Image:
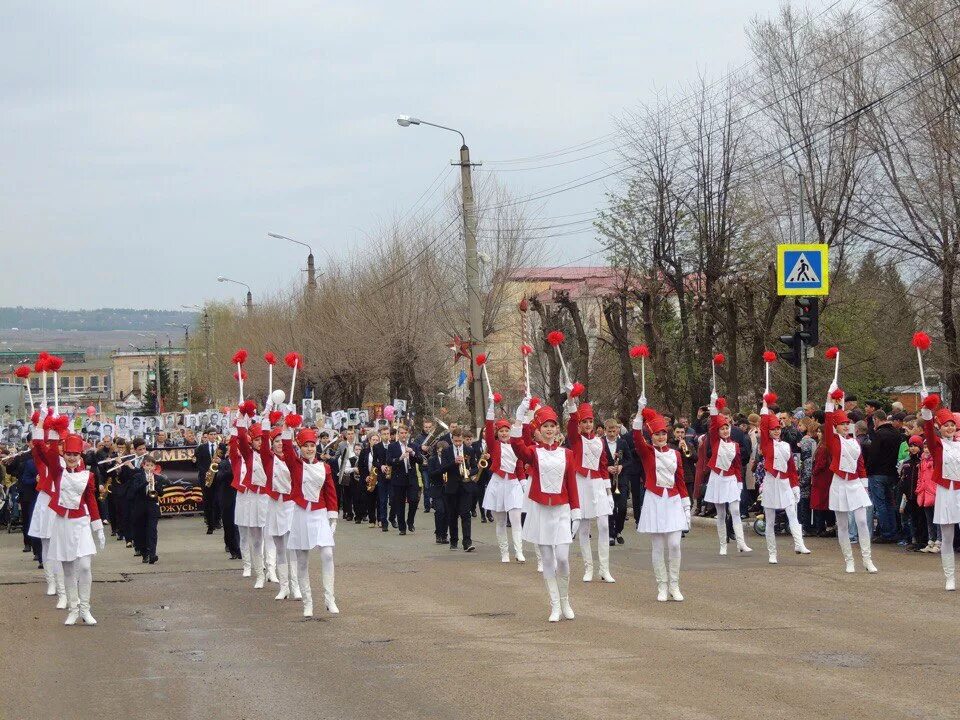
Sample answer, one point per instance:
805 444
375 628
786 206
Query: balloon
91 411
278 397
389 412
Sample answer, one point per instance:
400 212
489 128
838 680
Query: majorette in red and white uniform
666 506
848 488
553 513
255 483
504 494
945 451
76 517
279 512
593 487
240 470
42 518
315 513
725 482
781 483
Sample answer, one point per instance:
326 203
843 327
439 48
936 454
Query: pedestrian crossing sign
803 269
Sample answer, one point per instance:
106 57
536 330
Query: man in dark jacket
881 461
621 458
28 496
457 466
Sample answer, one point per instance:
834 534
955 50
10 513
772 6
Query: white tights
556 560
51 568
78 577
946 548
770 522
734 518
843 532
303 568
603 538
500 518
666 552
286 561
251 547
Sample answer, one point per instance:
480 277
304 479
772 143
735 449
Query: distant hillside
102 319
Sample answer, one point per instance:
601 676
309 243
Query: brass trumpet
484 462
616 479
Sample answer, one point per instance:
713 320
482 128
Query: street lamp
472 272
311 272
186 359
221 278
206 346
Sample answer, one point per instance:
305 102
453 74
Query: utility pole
311 273
803 345
206 350
473 280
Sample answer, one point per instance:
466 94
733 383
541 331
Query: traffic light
807 314
185 399
792 356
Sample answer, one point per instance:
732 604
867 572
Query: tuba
440 429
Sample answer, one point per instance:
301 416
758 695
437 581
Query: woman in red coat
725 483
666 505
940 430
504 494
553 510
76 517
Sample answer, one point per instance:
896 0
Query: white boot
798 545
504 548
722 535
247 569
270 559
307 600
674 575
738 534
328 598
294 583
660 573
603 553
867 555
554 593
73 600
61 591
51 578
949 572
518 544
258 571
847 552
284 582
563 585
588 569
536 550
723 547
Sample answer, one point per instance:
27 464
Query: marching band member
76 518
940 430
280 513
781 482
315 513
504 494
251 446
725 482
241 508
848 489
553 513
593 487
666 506
42 517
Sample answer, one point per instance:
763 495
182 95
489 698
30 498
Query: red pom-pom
293 360
240 356
719 359
832 353
497 398
35 418
639 351
43 355
54 363
293 420
769 356
648 414
248 408
61 423
22 372
534 401
921 340
242 375
481 359
770 398
275 416
577 390
931 402
526 350
270 358
837 394
721 403
40 365
555 337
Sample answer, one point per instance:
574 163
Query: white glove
491 411
686 514
641 403
796 494
574 526
568 388
101 539
713 397
333 525
833 386
638 422
924 395
570 406
865 483
522 409
243 421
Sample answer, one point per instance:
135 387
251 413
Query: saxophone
372 479
214 466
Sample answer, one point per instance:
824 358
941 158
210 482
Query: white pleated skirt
946 506
42 517
503 495
777 493
594 500
309 529
70 538
251 509
279 517
722 489
547 524
526 502
848 495
662 514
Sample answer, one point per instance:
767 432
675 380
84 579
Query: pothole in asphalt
377 641
312 619
493 614
838 659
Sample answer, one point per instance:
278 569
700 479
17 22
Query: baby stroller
10 507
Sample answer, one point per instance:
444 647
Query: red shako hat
585 412
307 435
73 444
544 415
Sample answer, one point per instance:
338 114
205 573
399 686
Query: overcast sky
150 146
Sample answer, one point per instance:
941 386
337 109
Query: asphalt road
429 633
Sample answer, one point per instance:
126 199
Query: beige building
82 382
131 370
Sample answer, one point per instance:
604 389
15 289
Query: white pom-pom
277 397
